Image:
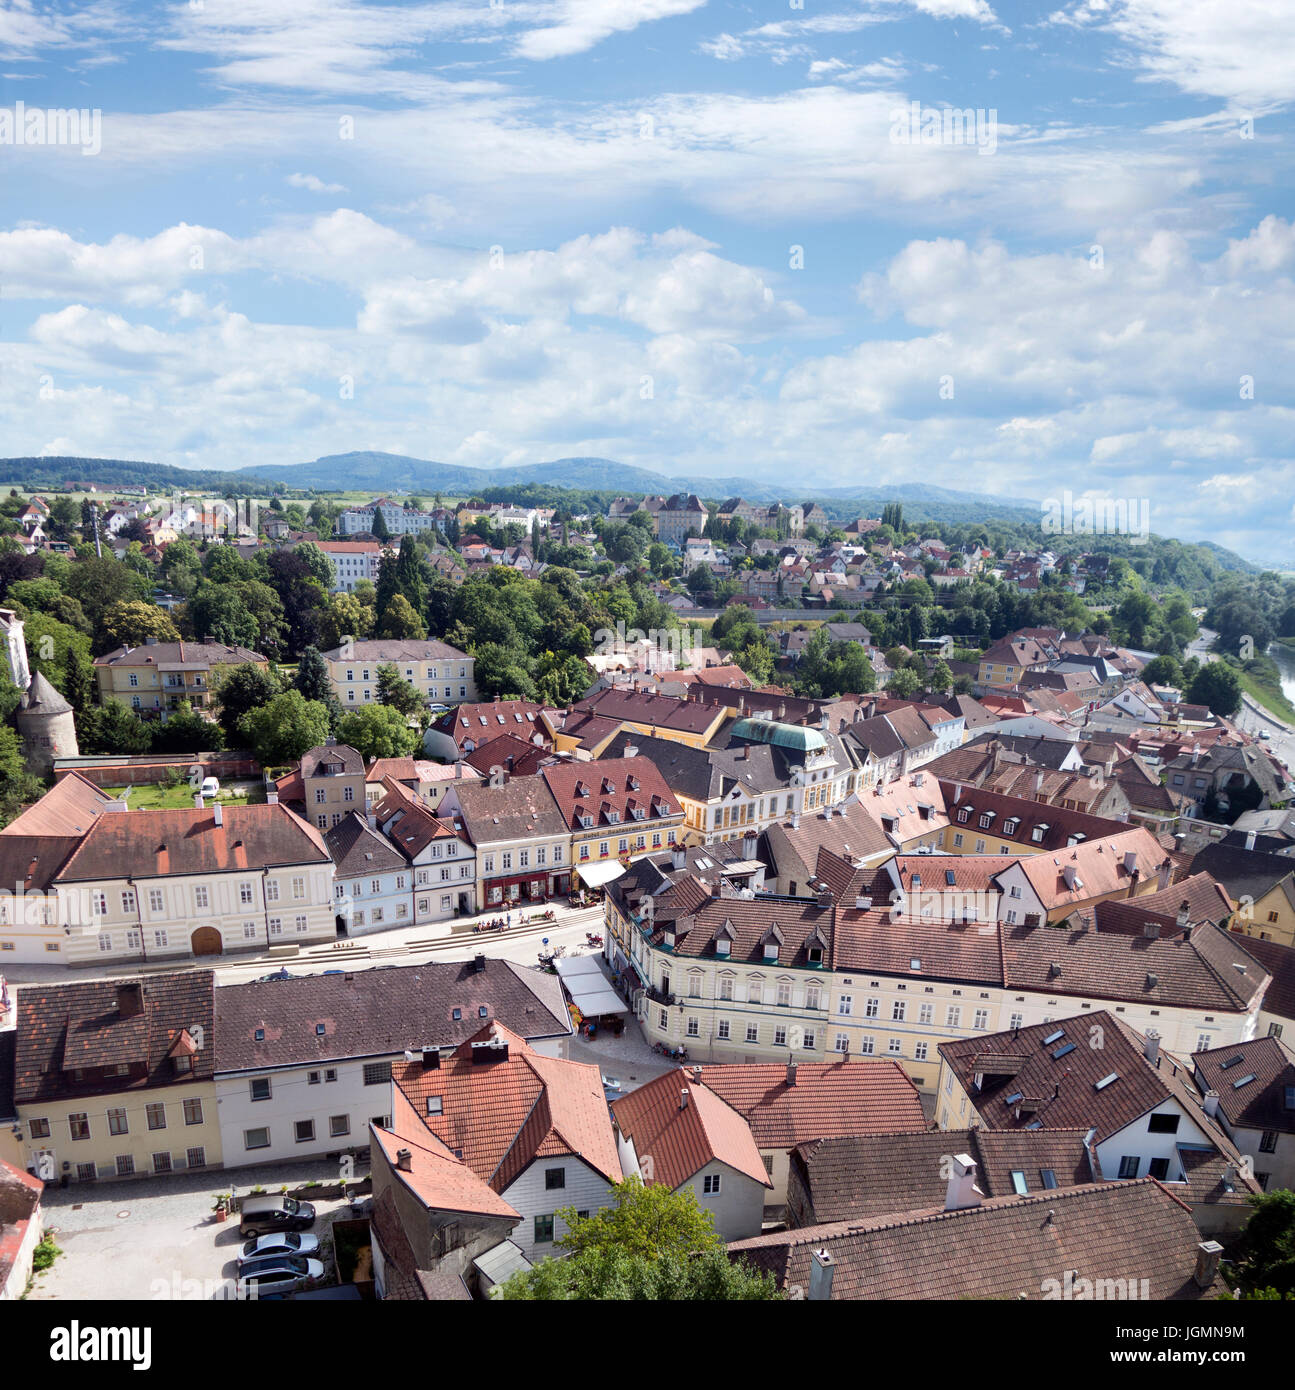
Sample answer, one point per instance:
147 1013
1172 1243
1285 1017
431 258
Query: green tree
378 731
395 691
1265 1250
903 684
1164 670
98 584
239 690
313 680
215 613
131 623
49 647
112 728
317 563
401 620
285 728
1216 686
186 731
378 525
346 616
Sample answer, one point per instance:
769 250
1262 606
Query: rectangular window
895 1047
160 937
38 1129
543 1230
1268 1142
779 1037
245 893
844 1005
128 900
303 1131
784 994
752 1032
256 1138
919 1051
193 1112
196 1157
980 1019
156 1115
897 1011
925 1013
1129 1166
201 898
259 1088
842 1043
1158 1168
271 890
155 900
554 1178
161 1162
721 1030
710 1184
377 1073
117 1123
1162 1124
867 1046
339 1125
125 1166
954 1017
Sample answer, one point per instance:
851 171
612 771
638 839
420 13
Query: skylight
1063 1051
1014 1097
1106 1081
1232 1061
1052 1037
1243 1081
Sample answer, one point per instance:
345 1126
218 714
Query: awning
589 988
596 875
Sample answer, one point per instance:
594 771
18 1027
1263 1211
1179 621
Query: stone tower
47 726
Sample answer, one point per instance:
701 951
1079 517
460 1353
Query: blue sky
673 232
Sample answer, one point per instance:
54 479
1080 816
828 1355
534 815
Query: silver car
260 1278
279 1245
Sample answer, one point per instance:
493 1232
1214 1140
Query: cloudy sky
679 233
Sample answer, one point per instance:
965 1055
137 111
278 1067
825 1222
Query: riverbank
1270 697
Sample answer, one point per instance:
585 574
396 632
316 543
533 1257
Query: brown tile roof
504 1115
1279 961
1255 1080
395 649
373 1013
1057 1088
1058 823
1099 865
488 719
407 823
849 832
867 1096
180 654
436 1178
1006 1248
602 789
68 809
159 843
658 711
313 759
799 922
1205 899
523 808
69 1026
863 1176
513 754
680 1140
356 849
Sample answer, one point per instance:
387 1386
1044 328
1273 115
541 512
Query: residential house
439 672
303 1066
680 1133
113 1078
1249 1089
441 858
1262 886
535 1128
1097 1073
522 839
352 561
462 730
154 679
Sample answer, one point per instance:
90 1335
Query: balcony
660 996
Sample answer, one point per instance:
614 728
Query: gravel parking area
157 1238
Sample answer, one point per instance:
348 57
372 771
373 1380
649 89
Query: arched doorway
205 942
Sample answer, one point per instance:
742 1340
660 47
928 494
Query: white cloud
314 184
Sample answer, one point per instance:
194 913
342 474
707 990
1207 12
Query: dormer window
721 945
986 820
1037 834
964 815
1010 824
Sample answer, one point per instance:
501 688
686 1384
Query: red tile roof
680 1140
828 1099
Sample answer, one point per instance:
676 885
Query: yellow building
113 1078
156 677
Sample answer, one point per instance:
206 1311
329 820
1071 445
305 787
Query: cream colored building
156 677
435 669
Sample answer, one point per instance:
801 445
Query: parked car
258 1278
282 1245
262 1216
210 787
273 975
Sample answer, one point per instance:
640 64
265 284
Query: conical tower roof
41 698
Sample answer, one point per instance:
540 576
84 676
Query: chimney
791 1071
962 1191
404 1160
957 793
821 1266
1210 1104
1184 915
1038 782
696 1076
1151 930
372 819
678 857
130 998
198 802
631 750
1151 1046
825 897
795 820
683 1097
1207 1263
272 797
218 811
479 964
431 1059
1162 875
1250 839
150 641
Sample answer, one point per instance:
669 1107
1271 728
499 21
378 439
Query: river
1285 659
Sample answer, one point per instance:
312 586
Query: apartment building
352 561
399 520
522 840
327 786
113 1078
1249 1089
150 886
155 678
303 1066
435 669
440 856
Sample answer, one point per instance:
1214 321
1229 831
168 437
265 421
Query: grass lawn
1270 697
157 796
